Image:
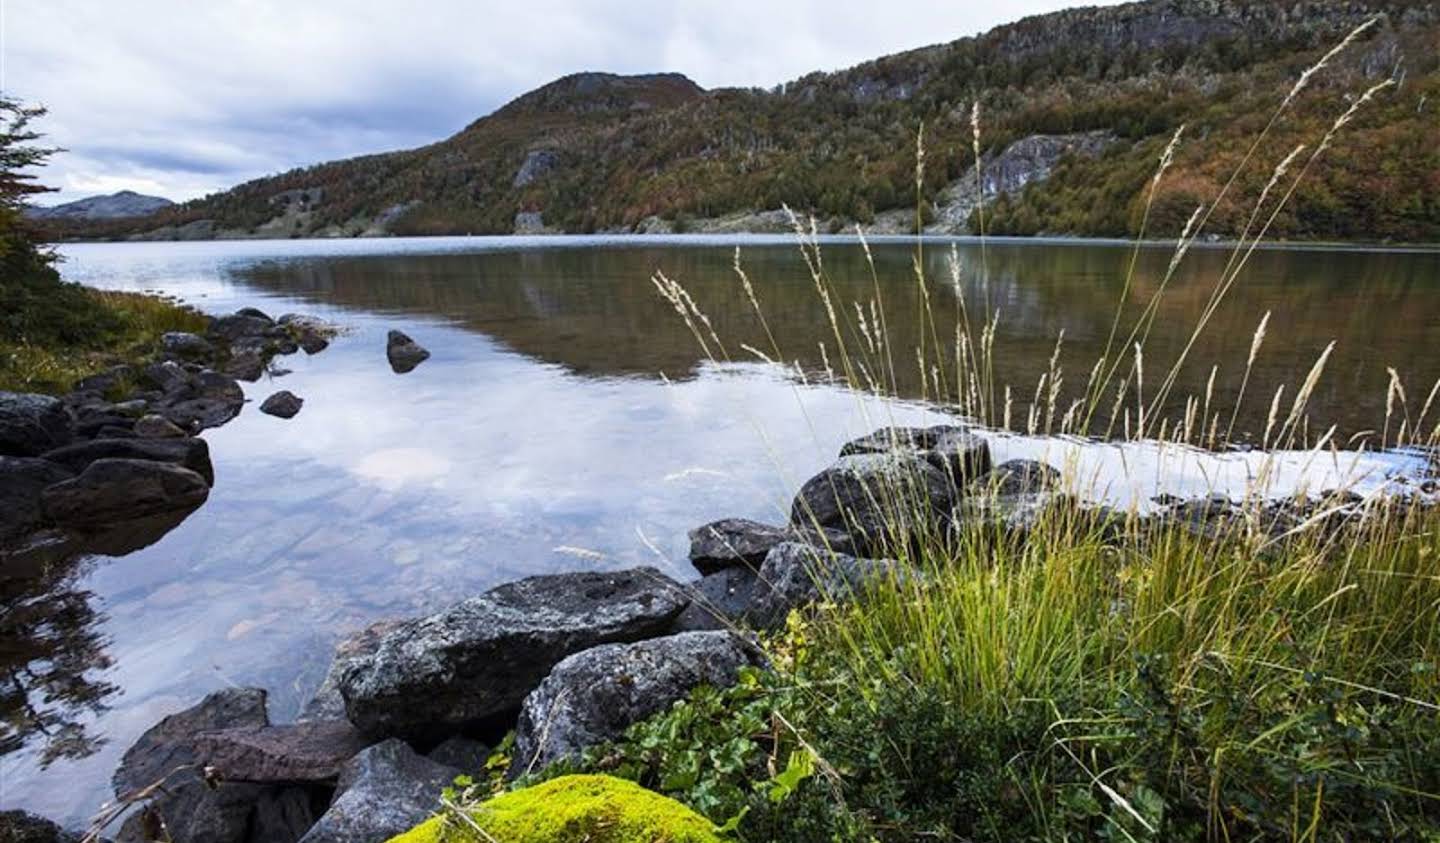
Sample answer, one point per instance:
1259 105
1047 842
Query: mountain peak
592 92
124 203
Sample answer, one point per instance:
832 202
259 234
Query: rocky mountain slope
126 203
1075 108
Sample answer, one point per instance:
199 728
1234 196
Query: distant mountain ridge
1075 107
126 203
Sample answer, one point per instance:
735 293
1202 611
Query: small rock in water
404 353
284 404
157 427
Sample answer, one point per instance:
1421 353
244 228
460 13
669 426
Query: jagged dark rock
732 541
474 663
193 811
384 791
32 424
595 695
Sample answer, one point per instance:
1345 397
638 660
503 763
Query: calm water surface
542 437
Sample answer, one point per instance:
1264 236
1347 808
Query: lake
568 420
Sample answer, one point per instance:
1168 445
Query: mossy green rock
596 809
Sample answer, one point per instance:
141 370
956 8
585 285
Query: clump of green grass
56 333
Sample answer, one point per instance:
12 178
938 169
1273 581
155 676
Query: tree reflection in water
52 647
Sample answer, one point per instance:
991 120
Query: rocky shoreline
569 661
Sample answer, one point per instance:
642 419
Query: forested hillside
595 152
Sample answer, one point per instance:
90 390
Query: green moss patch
596 809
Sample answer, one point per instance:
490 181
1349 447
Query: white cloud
181 98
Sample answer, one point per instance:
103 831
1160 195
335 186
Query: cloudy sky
183 97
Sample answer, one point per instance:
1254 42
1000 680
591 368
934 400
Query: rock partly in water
404 353
283 404
595 695
1014 495
191 809
298 752
191 453
960 455
22 479
732 541
796 575
327 703
382 792
246 364
878 499
110 491
888 439
473 663
31 424
239 325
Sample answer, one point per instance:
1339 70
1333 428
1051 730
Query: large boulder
22 480
110 491
473 663
795 575
382 792
31 424
878 499
404 353
888 439
732 541
191 453
1014 495
327 703
192 809
595 695
298 752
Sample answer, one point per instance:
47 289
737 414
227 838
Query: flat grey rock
473 663
732 541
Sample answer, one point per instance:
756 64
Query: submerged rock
191 453
283 404
110 491
476 661
595 695
32 424
382 792
796 575
404 353
732 541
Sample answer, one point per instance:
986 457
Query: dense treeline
842 145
